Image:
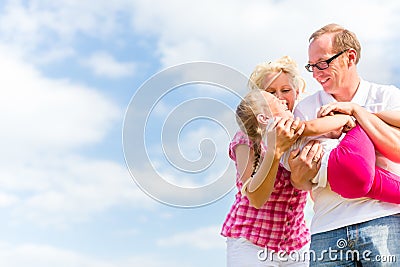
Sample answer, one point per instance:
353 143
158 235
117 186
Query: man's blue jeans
369 244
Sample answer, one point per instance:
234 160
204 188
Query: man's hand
304 165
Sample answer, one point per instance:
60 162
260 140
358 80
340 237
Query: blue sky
69 71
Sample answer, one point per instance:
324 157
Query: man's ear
352 56
262 119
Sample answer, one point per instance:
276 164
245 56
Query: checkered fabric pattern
279 225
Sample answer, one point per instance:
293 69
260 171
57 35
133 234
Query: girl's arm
257 193
280 137
324 125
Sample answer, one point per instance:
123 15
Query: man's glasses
324 64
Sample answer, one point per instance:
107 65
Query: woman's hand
349 125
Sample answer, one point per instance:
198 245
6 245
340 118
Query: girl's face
282 89
274 107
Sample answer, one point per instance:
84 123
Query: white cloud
36 21
233 32
202 238
242 34
40 255
70 190
43 114
104 64
46 123
194 153
36 255
7 200
45 31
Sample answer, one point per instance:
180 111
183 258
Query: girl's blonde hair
284 64
246 117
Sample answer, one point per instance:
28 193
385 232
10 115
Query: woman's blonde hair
284 64
250 106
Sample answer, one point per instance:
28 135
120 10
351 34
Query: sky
116 118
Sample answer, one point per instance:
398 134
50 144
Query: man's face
331 78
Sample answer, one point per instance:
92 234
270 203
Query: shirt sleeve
240 138
285 157
321 179
393 97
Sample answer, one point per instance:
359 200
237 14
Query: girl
266 226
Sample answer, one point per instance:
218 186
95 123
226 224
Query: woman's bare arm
391 117
379 126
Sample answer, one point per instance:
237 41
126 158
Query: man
348 232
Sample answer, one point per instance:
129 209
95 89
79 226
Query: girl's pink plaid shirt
279 225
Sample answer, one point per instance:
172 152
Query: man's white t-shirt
321 179
331 211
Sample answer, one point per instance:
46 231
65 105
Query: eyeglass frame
310 67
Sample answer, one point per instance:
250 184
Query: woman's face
282 89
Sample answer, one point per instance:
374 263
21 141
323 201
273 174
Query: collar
361 95
359 98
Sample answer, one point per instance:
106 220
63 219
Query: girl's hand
282 133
